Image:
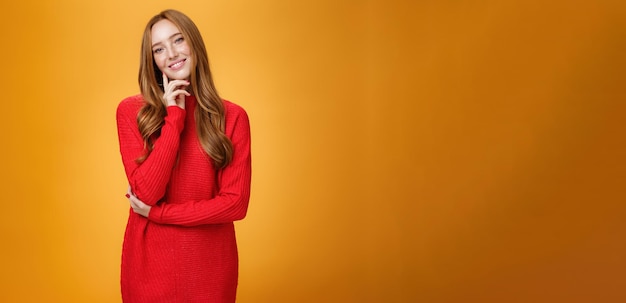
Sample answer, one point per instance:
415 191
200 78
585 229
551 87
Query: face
170 51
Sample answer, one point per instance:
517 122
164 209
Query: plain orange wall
404 151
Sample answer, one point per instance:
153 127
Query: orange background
403 151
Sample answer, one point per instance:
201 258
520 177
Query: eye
179 40
157 50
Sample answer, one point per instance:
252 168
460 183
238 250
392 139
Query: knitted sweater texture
185 250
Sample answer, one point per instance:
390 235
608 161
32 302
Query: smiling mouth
178 64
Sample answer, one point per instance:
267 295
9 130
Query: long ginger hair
209 114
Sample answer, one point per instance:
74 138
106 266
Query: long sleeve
231 201
148 179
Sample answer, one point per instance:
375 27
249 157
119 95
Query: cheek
159 61
185 49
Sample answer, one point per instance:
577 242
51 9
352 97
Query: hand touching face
174 92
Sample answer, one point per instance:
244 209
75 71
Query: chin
179 76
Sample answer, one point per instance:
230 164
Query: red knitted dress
185 251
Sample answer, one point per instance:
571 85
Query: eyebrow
172 36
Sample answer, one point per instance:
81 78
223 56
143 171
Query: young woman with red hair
186 154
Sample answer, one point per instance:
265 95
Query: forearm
148 179
221 209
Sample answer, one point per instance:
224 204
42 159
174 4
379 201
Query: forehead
163 30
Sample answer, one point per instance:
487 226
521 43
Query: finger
133 198
165 81
135 205
180 101
173 85
178 83
178 93
135 201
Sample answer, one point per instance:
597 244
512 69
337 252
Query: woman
186 153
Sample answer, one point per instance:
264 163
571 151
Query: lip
177 65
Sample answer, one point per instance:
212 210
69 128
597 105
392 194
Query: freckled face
170 51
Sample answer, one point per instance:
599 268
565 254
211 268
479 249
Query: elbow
239 207
148 190
241 214
147 196
155 197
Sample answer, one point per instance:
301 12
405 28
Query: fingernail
127 196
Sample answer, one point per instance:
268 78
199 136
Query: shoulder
236 119
130 105
232 108
234 111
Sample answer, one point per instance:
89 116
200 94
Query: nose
172 52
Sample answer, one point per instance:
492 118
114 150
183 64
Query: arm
231 202
148 179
